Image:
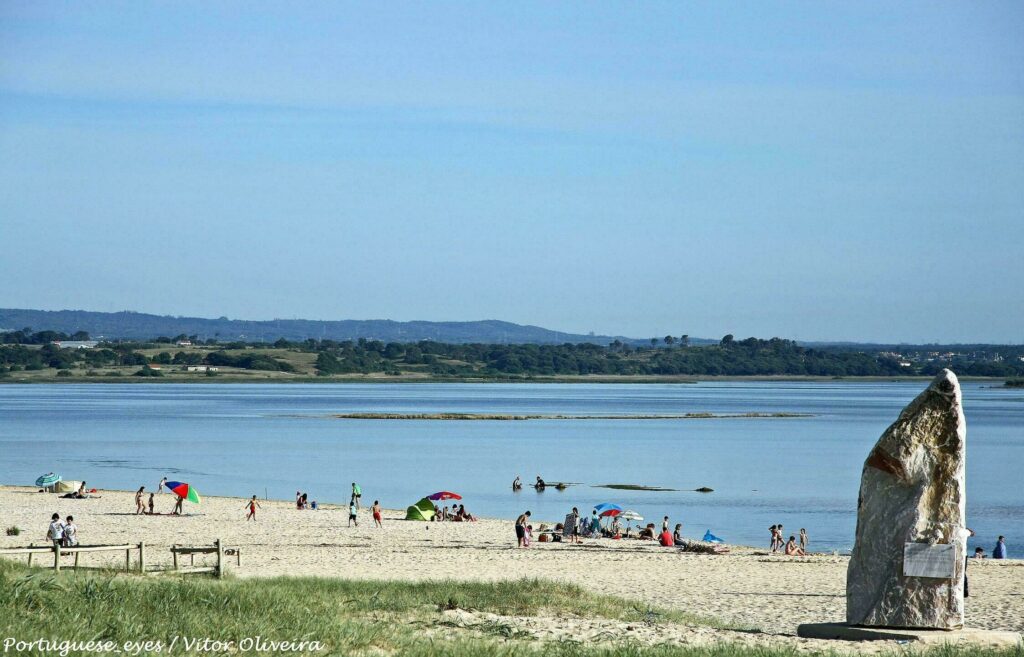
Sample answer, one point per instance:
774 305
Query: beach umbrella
629 516
440 496
48 479
608 509
184 490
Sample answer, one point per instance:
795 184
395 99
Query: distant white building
76 344
184 343
201 368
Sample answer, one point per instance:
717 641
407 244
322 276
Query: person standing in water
253 505
517 484
999 551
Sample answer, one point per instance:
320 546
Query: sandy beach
747 588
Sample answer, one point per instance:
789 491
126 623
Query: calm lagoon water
275 439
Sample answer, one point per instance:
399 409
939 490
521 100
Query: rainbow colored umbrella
444 495
184 490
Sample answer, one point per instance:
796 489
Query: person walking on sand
999 551
803 539
70 532
376 514
139 506
353 516
357 494
151 512
55 532
253 505
521 528
177 505
573 519
160 488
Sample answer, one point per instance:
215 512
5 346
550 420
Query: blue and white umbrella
48 479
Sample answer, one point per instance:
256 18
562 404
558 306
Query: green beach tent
422 510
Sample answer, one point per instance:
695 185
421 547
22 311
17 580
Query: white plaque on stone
927 560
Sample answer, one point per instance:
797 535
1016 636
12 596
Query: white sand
747 587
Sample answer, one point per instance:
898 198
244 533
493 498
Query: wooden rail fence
177 551
57 551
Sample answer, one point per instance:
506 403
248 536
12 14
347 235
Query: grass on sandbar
349 617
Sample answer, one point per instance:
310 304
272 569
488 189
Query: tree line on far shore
27 350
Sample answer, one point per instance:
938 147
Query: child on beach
151 512
177 505
803 539
70 532
139 506
376 514
253 505
527 536
55 532
352 514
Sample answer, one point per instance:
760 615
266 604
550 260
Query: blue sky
809 170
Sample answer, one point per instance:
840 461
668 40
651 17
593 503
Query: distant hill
133 325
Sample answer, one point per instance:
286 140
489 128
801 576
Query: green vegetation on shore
492 416
27 356
345 616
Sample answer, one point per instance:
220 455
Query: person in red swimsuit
253 505
376 513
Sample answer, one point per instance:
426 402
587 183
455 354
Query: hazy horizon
814 171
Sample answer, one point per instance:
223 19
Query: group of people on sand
148 507
63 533
791 548
455 514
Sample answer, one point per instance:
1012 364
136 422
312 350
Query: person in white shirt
56 531
70 532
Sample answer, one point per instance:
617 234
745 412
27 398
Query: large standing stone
912 490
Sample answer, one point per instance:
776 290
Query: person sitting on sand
353 514
177 505
517 483
677 535
253 505
466 515
792 549
647 533
803 539
151 512
70 532
305 501
437 514
139 506
81 494
521 528
376 514
55 532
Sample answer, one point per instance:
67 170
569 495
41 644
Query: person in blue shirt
999 551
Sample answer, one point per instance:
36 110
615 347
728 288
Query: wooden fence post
128 560
30 545
174 555
142 557
56 557
220 558
77 554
